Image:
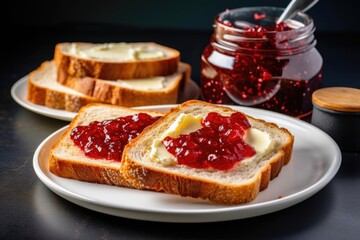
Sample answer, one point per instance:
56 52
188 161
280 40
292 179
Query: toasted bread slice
69 161
43 89
81 59
240 184
122 93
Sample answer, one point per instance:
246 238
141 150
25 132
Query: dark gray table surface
29 210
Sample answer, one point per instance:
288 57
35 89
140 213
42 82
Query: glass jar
252 61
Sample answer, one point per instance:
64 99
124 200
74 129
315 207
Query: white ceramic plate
18 93
316 159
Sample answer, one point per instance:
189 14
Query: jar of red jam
253 61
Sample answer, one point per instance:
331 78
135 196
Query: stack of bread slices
124 74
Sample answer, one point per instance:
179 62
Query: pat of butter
143 54
186 123
117 52
154 83
260 141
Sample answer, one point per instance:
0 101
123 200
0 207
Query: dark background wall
39 24
329 15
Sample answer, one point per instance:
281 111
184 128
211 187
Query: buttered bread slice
133 92
208 151
112 61
43 89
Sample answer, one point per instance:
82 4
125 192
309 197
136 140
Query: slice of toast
80 59
69 161
240 184
122 93
43 89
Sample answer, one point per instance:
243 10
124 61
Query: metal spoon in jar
290 11
294 7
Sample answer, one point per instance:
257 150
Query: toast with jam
207 151
91 147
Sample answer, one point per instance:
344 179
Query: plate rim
21 84
183 215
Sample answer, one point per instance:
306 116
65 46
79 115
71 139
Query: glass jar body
277 71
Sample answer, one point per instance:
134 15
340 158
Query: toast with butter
196 150
133 92
112 61
96 163
124 74
43 89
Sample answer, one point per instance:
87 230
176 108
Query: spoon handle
294 7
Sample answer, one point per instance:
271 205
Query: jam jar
253 61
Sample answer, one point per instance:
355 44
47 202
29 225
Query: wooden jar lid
338 99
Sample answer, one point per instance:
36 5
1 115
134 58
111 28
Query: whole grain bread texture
70 64
238 185
43 89
113 92
68 161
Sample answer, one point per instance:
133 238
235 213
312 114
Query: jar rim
219 20
231 31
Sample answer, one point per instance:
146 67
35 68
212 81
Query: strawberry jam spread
253 61
108 138
218 144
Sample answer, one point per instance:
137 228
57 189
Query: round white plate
18 93
315 160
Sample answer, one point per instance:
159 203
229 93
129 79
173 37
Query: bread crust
144 175
66 168
78 67
91 170
108 92
52 98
